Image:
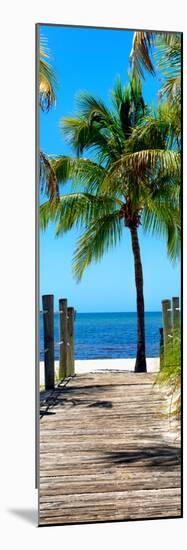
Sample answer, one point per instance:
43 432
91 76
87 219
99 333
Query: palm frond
140 163
143 42
93 109
159 129
161 215
167 54
172 89
75 131
168 59
82 172
47 79
82 136
140 53
76 209
95 126
117 94
48 179
95 241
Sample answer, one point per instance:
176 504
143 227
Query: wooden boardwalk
107 452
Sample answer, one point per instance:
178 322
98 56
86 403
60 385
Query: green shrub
170 371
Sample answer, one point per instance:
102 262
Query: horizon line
98 312
134 311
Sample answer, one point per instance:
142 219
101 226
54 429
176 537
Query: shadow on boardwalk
107 451
165 457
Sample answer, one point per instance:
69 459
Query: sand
96 365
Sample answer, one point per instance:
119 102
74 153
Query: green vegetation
166 49
47 83
170 373
47 78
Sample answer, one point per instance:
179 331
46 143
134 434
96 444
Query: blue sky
91 59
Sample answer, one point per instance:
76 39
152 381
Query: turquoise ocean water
108 335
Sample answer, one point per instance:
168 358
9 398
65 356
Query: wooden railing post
161 339
161 346
175 308
48 322
166 315
70 370
63 338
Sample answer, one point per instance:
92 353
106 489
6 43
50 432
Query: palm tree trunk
140 365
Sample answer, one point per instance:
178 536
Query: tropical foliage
170 374
48 180
47 83
131 176
166 48
47 78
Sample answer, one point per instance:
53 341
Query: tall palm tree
130 178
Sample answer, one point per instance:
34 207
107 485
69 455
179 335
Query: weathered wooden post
48 321
175 308
161 339
63 338
161 346
166 315
70 370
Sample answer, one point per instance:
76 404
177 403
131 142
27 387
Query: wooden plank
114 485
102 498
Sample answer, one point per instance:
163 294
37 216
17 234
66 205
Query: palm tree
130 178
47 83
167 54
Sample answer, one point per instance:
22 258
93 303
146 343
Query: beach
100 365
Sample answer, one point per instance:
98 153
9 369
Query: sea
108 335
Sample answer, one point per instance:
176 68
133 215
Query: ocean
108 335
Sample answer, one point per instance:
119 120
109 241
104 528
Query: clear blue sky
90 59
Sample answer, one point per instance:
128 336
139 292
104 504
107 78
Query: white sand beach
96 365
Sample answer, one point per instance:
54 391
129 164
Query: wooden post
166 315
161 347
48 321
175 308
70 341
161 339
63 338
